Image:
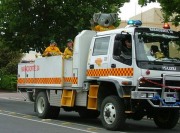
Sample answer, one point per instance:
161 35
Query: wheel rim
41 105
109 113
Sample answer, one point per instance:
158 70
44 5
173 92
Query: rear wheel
113 113
43 108
166 119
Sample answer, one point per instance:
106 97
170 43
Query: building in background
152 18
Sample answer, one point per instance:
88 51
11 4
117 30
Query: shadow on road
143 126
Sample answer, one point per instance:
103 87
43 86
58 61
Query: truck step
68 98
129 112
92 97
126 96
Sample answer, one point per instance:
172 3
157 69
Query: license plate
170 99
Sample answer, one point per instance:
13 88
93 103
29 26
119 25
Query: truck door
26 74
98 57
21 74
121 56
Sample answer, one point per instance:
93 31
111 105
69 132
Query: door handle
113 65
91 66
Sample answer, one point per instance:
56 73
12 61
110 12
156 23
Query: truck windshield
157 45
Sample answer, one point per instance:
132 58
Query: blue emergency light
134 22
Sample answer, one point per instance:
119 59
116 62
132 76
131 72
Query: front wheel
113 113
166 119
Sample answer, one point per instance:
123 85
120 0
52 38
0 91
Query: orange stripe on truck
110 72
73 80
39 80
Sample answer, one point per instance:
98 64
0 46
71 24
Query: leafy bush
8 82
9 60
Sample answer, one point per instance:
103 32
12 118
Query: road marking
66 123
72 128
28 116
92 129
72 123
12 113
46 120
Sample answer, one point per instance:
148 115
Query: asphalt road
19 117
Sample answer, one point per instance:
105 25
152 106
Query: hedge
8 82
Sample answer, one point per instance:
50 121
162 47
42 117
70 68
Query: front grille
153 83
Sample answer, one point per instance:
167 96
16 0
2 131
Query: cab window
122 51
101 46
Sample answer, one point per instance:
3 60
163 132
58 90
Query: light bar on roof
134 22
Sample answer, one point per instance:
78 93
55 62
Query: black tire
113 113
30 96
166 119
43 108
85 113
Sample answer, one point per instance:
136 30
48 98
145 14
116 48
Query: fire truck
98 82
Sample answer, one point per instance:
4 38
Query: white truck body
95 81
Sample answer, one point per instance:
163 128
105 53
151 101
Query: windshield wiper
151 62
171 59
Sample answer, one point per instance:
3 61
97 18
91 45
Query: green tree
8 67
9 60
170 9
35 22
